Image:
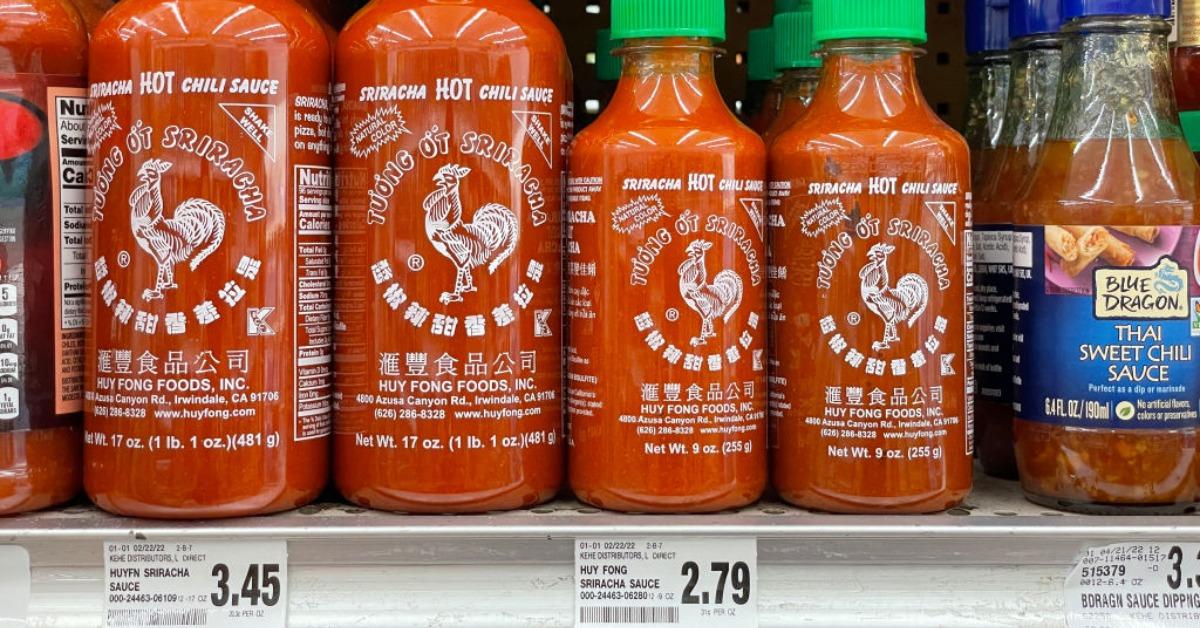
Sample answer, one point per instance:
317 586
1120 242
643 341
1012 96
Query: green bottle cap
760 55
869 19
794 45
1190 120
788 6
634 19
608 65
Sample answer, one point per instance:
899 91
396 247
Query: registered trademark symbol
672 315
416 262
123 259
853 318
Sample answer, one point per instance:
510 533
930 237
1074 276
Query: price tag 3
217 584
1135 584
650 583
15 588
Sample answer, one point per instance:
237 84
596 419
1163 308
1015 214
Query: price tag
1135 584
693 582
15 588
217 584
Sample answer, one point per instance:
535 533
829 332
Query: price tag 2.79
217 584
1135 584
710 582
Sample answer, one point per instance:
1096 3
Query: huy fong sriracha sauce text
667 278
43 305
209 376
454 122
869 221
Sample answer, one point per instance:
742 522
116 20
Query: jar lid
1089 8
794 43
987 26
1034 17
635 19
869 19
788 6
760 55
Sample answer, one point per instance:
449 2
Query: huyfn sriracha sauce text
210 354
43 300
452 145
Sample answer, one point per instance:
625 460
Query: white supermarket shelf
997 561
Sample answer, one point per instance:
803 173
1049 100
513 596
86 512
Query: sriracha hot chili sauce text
1107 304
209 377
869 220
454 123
667 278
43 300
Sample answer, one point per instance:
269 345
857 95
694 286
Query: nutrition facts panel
68 119
314 301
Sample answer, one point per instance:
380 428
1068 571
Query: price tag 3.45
217 584
1135 584
694 582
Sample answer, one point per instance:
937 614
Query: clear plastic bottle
988 73
1105 264
798 65
43 68
667 279
449 365
870 209
1036 65
209 371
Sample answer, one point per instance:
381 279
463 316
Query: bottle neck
1036 67
870 78
800 83
668 77
1116 81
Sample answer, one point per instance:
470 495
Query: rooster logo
488 240
194 231
903 304
720 299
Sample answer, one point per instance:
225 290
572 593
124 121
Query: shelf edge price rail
645 582
1135 584
216 584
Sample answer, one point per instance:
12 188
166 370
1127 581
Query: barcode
629 615
121 618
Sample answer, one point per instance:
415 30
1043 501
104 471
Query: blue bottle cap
1087 8
987 25
1034 17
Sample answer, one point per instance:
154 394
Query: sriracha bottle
667 278
870 291
453 128
43 305
210 357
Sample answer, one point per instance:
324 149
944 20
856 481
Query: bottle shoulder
825 133
615 132
423 24
42 36
252 23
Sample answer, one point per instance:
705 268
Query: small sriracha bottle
870 312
